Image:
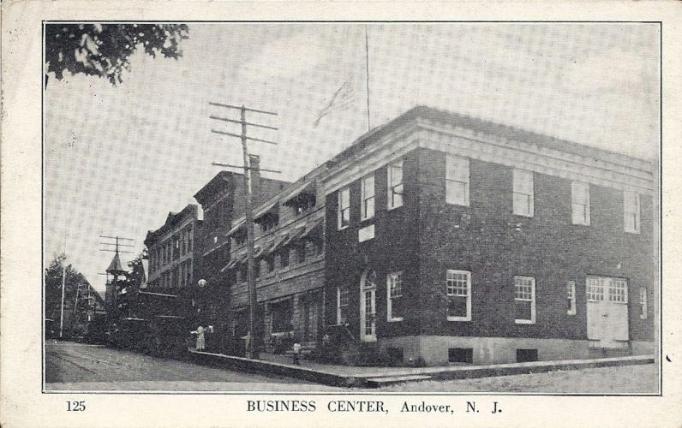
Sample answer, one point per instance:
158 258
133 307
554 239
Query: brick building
174 251
223 200
454 239
289 256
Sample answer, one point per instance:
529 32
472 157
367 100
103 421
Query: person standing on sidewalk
201 340
297 353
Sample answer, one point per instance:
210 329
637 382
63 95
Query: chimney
254 163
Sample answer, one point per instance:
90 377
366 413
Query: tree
103 50
136 276
53 288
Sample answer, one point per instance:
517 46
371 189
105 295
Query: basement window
461 355
526 355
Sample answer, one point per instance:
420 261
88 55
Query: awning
277 244
306 193
313 232
262 214
234 262
237 229
295 234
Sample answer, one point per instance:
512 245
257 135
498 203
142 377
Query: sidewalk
373 377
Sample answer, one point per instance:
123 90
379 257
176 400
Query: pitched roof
115 267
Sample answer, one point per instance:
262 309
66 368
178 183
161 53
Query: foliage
136 276
103 50
53 285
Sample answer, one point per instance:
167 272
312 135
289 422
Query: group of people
200 332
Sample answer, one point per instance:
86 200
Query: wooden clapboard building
289 262
453 239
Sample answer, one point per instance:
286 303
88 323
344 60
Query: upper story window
524 300
631 211
305 206
394 289
523 193
284 257
367 197
395 184
457 180
458 289
300 252
580 203
344 208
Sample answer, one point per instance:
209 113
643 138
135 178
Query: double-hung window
631 211
341 305
394 289
344 208
570 295
523 193
457 180
458 289
580 203
643 308
395 184
524 300
367 197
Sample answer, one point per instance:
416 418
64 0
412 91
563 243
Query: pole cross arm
245 167
242 107
224 119
239 136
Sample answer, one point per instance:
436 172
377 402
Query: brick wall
495 245
394 248
426 237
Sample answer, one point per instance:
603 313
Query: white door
368 325
607 311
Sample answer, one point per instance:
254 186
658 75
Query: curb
436 373
258 366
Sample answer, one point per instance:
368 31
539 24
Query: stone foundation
495 350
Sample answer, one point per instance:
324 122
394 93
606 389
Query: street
78 366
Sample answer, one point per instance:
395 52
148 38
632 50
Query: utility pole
61 309
251 273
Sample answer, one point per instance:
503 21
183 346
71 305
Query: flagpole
367 75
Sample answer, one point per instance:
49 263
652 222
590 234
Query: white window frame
571 296
391 279
532 299
339 307
643 303
523 186
631 207
580 209
449 291
341 208
395 187
457 173
367 186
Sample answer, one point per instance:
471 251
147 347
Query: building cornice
598 167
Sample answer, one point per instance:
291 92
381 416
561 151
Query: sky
119 158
